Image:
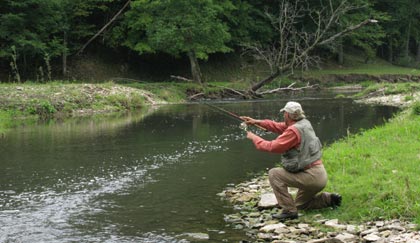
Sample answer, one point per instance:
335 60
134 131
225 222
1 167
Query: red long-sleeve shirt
289 137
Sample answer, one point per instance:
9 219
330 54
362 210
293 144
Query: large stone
268 200
346 237
272 227
334 224
371 238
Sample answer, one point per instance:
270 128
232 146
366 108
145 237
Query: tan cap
294 109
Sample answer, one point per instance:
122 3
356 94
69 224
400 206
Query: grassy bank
30 102
377 171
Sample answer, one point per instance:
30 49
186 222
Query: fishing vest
309 150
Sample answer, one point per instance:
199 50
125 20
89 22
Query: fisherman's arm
289 139
272 126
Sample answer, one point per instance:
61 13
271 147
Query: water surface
146 177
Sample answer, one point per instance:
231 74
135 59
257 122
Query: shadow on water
145 177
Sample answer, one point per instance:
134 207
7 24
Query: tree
300 29
181 27
401 29
28 31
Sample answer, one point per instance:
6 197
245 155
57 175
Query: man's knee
274 174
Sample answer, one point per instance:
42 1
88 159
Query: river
151 176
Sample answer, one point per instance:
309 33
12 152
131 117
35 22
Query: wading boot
335 200
285 216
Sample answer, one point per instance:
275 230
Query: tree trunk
390 51
263 82
418 52
195 68
407 41
340 52
64 54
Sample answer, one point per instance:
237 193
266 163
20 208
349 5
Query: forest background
155 41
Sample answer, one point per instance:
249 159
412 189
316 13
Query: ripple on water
44 215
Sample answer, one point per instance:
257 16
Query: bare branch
103 28
181 78
289 88
348 30
294 46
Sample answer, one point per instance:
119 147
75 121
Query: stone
272 227
245 198
346 237
369 231
197 236
371 237
265 236
267 200
352 229
334 224
282 231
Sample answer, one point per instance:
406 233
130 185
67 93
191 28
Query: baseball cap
295 108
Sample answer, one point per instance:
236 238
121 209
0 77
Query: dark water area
146 177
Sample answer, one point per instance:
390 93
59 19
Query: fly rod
233 115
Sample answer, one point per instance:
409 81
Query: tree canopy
36 33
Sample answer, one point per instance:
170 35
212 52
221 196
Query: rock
325 240
346 237
245 198
265 236
267 200
352 229
254 186
371 238
272 227
262 227
197 236
379 223
334 224
369 231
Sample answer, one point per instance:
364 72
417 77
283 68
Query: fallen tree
293 49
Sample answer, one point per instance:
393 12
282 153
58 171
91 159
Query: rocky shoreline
255 204
397 100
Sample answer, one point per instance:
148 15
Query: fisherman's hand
250 135
249 121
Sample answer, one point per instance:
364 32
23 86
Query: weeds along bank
27 103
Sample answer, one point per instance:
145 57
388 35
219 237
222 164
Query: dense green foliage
37 37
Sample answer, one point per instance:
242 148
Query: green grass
388 89
354 64
45 101
377 171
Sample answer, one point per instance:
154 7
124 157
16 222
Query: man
301 160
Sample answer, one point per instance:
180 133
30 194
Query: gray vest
309 150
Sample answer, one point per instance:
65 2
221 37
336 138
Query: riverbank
376 172
29 102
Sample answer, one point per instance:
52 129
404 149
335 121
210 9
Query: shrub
416 109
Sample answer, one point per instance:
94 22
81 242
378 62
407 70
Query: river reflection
148 177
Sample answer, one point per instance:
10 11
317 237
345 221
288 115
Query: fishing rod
233 115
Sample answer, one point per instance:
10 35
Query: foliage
37 36
416 109
177 27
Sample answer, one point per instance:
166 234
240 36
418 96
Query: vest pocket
315 146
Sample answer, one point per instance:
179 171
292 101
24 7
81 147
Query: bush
416 109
